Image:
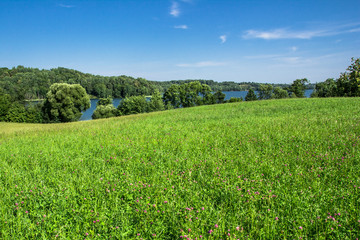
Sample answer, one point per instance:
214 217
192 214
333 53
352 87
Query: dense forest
32 83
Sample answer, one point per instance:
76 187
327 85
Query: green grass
278 169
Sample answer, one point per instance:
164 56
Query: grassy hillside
252 170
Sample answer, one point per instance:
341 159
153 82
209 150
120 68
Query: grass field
277 169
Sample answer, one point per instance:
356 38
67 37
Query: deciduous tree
65 102
251 96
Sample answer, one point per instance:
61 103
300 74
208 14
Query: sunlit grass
267 169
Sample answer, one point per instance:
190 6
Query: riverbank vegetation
285 168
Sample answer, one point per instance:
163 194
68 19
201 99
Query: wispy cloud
286 33
294 49
174 9
202 64
65 6
354 30
181 27
223 38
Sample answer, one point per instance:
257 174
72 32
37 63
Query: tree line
23 83
222 86
67 94
188 94
347 85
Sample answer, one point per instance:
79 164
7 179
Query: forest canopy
24 83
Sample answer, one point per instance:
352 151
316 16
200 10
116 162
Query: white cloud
285 33
223 38
174 9
202 64
354 30
294 49
181 27
65 6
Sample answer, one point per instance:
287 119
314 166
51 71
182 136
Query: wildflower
300 227
216 225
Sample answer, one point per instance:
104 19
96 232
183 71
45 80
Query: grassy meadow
276 169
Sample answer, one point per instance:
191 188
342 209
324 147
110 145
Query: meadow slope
272 169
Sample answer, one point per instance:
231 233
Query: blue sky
224 40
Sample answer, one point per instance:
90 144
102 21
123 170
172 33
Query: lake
228 94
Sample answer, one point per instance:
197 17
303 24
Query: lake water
228 94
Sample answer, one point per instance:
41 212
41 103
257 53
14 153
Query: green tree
209 99
156 102
172 96
354 76
279 93
251 96
5 104
133 105
105 111
325 89
104 101
65 102
16 113
207 96
235 99
190 94
34 113
298 87
219 96
348 84
265 91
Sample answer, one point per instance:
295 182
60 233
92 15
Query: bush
133 105
105 111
